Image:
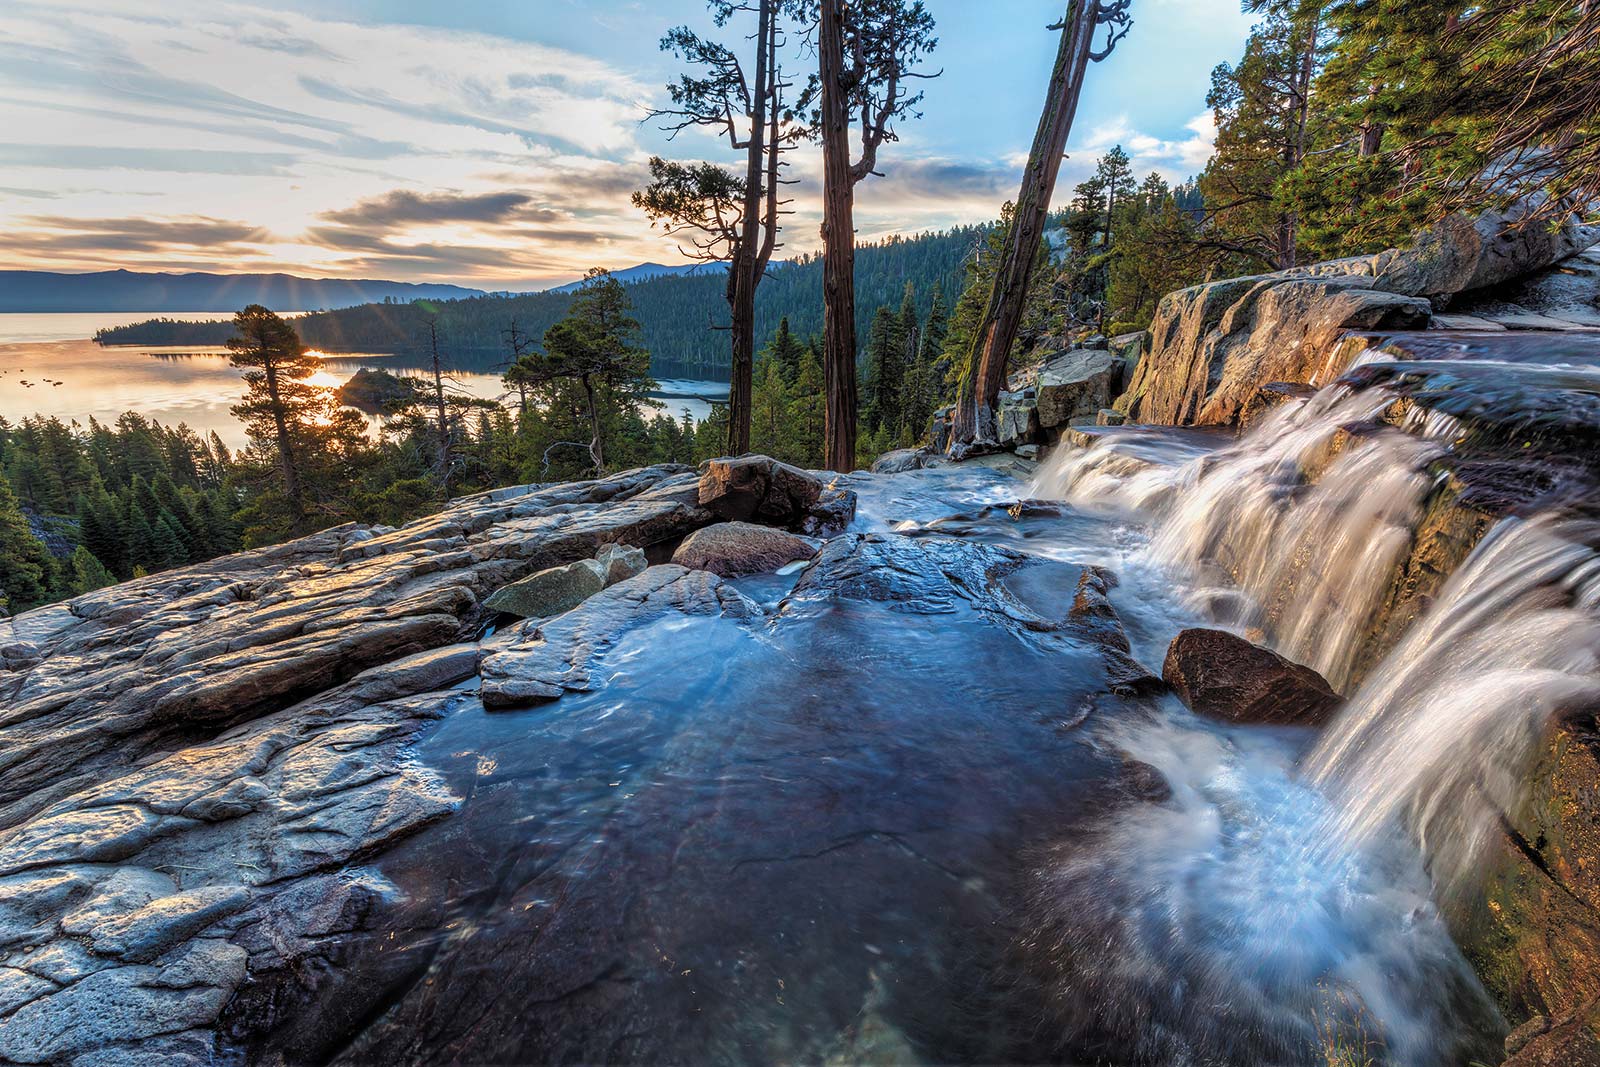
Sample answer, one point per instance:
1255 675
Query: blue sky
491 144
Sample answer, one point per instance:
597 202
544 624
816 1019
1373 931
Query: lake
49 366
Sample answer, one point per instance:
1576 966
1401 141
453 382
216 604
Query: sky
495 145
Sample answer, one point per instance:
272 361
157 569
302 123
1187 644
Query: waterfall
1442 735
1296 888
1314 558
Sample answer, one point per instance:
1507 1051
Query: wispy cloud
1174 159
402 207
232 135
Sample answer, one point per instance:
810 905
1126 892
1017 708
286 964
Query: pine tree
88 573
886 344
934 331
100 531
784 350
1264 112
25 564
167 539
594 353
711 435
806 409
1115 175
142 551
280 410
769 410
729 217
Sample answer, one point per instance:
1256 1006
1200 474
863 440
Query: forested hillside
680 315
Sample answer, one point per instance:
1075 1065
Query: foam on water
1441 736
1313 559
1281 903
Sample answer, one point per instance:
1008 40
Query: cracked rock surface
198 769
319 803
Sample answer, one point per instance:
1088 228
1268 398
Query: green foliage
885 371
676 313
1264 127
960 337
1153 253
26 570
1430 107
1349 124
592 372
88 573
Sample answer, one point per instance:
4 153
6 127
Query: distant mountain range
125 290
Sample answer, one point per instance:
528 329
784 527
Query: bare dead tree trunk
838 240
744 273
1289 237
975 412
441 412
1371 130
597 448
286 457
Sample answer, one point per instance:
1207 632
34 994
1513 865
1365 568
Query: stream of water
884 829
1290 894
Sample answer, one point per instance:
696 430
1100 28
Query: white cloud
229 110
1174 159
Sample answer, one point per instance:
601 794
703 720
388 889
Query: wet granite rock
734 549
128 670
1074 384
1571 1041
1531 927
901 459
114 1008
1269 398
1214 345
540 663
1567 297
1091 606
1218 674
1023 594
831 515
551 591
195 766
621 562
1017 418
752 488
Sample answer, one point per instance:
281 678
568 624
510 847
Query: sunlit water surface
49 367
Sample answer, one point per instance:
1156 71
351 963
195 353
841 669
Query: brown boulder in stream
1223 676
758 489
733 549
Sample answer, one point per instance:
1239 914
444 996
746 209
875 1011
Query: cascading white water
1315 558
1284 885
1441 736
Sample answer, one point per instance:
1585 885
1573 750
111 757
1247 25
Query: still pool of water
48 366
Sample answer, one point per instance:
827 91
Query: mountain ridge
23 291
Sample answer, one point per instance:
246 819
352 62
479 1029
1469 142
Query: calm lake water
49 366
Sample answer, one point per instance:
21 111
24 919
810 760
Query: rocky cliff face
1533 933
1214 345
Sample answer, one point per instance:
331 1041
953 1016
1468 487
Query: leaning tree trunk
597 446
838 242
742 329
286 457
744 273
986 369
